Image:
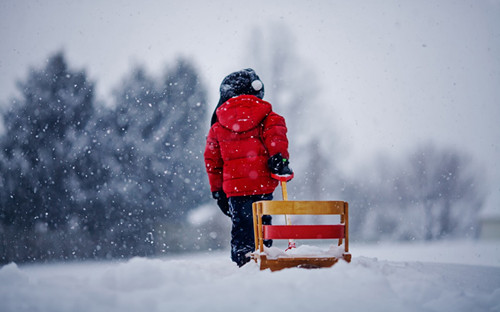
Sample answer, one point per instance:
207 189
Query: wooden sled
334 231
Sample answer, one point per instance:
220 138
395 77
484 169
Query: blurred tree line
433 193
81 179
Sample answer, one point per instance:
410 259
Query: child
246 143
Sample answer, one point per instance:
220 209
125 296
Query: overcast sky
393 74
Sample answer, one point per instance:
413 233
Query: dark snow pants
242 237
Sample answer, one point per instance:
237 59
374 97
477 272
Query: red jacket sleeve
213 161
274 135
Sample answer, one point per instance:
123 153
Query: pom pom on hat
257 85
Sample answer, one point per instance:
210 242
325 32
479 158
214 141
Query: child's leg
242 237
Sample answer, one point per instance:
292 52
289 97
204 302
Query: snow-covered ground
444 276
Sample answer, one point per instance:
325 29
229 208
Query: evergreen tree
127 136
45 134
154 146
80 180
184 141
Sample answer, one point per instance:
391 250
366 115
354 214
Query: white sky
393 73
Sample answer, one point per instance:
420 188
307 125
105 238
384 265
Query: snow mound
211 282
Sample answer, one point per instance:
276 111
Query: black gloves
279 165
222 202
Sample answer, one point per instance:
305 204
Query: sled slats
297 207
331 231
303 231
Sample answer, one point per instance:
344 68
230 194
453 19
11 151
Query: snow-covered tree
152 142
83 180
184 141
44 136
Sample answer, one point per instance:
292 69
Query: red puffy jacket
239 144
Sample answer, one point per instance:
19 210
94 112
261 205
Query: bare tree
292 88
442 182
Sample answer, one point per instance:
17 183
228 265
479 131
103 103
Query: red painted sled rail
303 231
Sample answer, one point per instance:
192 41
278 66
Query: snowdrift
425 281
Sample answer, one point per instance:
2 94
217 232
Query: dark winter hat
245 81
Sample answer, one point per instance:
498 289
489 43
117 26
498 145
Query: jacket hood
242 82
243 113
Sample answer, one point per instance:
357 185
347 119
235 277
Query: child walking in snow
246 143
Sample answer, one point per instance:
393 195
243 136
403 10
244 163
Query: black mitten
279 165
222 202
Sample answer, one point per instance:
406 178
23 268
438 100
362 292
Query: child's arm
274 135
213 162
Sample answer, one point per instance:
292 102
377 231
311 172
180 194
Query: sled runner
291 232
